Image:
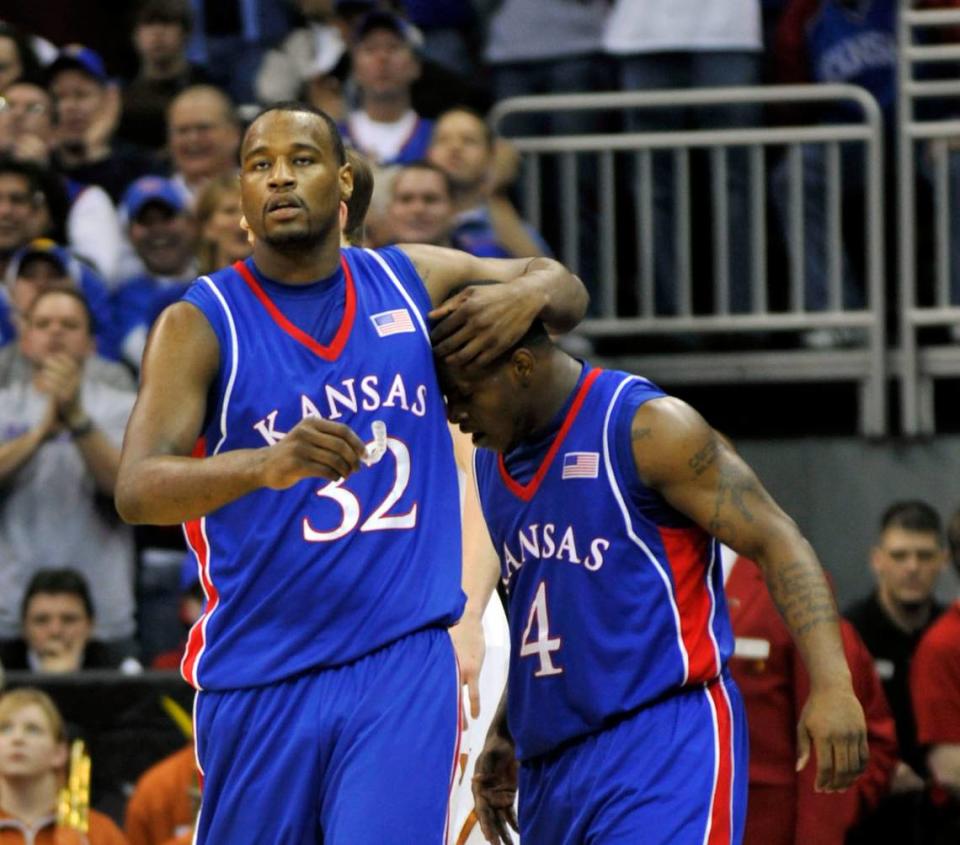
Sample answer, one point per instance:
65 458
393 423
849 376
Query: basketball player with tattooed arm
289 414
605 500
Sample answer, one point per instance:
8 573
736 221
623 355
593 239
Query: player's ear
523 363
346 181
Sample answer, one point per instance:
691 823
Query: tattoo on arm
802 596
637 433
733 486
703 459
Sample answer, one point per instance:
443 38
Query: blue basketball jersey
323 573
616 599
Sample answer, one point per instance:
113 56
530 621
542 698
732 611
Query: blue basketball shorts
361 754
673 773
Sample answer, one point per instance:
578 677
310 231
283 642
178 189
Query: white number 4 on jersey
543 646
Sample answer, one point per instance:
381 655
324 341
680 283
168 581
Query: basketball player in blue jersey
290 416
605 500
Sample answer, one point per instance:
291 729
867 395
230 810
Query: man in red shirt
935 688
783 808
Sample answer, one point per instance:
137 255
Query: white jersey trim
714 546
403 291
618 495
227 393
233 362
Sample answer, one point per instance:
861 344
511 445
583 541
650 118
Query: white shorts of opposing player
464 828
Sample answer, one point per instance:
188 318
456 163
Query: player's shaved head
296 107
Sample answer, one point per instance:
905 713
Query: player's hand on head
480 323
495 790
314 448
832 724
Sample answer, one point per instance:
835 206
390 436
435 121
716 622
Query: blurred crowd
119 132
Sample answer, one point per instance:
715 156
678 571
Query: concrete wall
837 488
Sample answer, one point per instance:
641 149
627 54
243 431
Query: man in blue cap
163 233
88 110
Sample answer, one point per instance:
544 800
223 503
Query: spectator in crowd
160 33
564 56
446 26
222 241
783 808
17 59
41 265
421 206
57 629
21 198
230 39
385 128
906 562
311 60
27 134
165 802
935 691
690 44
88 111
203 135
163 233
835 41
33 766
354 223
60 434
486 222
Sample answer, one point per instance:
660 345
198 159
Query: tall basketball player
289 415
605 504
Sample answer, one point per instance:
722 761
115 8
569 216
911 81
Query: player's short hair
63 290
488 133
359 202
58 582
297 106
423 164
17 699
912 515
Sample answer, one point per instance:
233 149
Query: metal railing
625 164
923 139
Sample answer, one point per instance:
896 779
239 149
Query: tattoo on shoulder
702 460
637 433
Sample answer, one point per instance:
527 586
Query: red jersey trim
720 823
529 490
688 552
328 353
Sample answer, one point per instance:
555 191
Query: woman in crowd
33 764
221 241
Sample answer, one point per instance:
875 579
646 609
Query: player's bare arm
480 323
481 569
495 781
698 472
159 483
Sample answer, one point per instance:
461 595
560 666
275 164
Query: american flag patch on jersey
581 465
392 322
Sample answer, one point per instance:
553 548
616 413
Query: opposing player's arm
480 323
698 472
481 568
159 483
